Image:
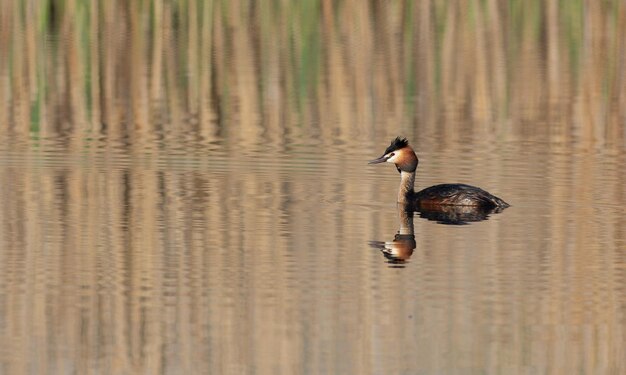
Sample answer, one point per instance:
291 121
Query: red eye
391 155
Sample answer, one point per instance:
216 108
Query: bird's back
457 195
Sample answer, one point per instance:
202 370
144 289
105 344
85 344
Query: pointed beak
381 159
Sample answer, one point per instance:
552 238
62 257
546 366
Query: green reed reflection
184 186
106 67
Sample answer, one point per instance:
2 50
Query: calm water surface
171 209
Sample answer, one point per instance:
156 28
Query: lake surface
185 188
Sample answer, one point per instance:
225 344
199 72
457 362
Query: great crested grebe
402 155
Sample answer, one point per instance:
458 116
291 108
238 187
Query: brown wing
457 195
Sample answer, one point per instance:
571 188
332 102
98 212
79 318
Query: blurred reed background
175 200
319 69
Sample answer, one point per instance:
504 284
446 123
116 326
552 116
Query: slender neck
407 180
406 220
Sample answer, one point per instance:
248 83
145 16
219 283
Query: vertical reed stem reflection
339 68
120 253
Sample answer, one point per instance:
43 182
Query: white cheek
393 159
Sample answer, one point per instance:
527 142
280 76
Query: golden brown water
185 190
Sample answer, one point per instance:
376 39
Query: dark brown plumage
456 195
397 144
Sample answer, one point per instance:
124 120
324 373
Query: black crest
396 144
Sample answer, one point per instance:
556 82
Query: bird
435 197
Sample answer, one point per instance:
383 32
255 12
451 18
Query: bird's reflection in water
398 251
401 248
